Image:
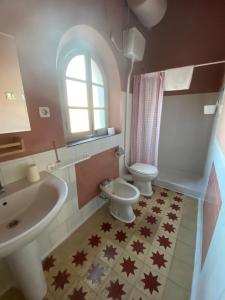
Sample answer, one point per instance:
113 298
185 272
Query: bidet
122 196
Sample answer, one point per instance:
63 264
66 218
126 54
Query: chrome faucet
2 190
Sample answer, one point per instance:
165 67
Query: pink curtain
146 117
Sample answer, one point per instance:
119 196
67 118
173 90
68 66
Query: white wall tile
66 212
59 233
14 170
42 160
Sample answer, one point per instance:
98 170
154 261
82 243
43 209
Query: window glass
76 93
96 73
84 97
76 68
98 96
99 119
79 120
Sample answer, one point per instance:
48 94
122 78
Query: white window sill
89 139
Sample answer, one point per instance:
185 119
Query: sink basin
26 210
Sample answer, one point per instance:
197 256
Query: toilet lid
144 168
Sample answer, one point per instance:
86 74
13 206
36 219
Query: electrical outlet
44 112
10 96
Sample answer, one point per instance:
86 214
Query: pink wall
211 209
38 27
92 172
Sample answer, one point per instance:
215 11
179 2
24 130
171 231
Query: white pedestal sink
25 210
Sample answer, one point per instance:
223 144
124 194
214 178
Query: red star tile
151 282
61 279
128 266
164 241
115 290
156 209
138 247
130 225
145 231
121 236
177 199
158 259
78 294
168 227
94 241
160 201
48 263
164 194
79 258
106 227
175 207
110 252
137 212
142 203
151 219
95 273
172 216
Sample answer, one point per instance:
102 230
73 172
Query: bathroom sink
25 210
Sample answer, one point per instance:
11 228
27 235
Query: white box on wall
209 109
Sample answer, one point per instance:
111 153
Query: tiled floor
151 258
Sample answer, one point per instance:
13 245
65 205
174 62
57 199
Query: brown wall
207 79
192 32
92 172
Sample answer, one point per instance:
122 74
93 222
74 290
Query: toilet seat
144 169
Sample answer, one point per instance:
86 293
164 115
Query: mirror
13 108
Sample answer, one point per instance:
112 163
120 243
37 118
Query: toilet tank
134 44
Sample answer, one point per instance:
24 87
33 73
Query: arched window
85 97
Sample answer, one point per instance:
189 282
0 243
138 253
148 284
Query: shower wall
185 132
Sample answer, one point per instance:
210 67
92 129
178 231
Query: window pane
79 120
76 93
76 68
99 118
98 96
96 73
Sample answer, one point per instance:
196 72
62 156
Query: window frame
70 137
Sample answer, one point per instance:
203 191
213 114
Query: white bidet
122 195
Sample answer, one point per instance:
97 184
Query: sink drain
13 224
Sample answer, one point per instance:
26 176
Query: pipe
126 102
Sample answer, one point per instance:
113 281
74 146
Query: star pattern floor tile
121 261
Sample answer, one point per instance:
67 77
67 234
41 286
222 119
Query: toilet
122 196
143 174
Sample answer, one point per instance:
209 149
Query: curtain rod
211 63
200 65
